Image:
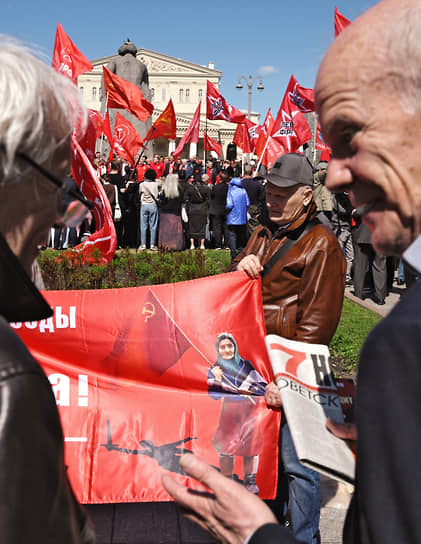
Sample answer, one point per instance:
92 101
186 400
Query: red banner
135 373
341 22
191 134
165 126
104 238
218 108
67 59
209 144
126 139
290 127
125 94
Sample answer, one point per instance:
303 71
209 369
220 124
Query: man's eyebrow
342 122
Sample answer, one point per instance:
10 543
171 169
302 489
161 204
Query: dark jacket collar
20 300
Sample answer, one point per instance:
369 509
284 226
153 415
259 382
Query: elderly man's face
286 204
374 142
33 206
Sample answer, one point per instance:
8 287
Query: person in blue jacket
236 207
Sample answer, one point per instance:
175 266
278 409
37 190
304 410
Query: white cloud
266 70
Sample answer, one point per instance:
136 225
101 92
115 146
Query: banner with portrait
142 375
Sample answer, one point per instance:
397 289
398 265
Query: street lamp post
249 82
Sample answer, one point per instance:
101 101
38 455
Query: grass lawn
355 324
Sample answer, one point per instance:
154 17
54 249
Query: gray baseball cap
291 169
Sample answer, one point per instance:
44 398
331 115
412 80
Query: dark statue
127 66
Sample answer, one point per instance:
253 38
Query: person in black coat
217 211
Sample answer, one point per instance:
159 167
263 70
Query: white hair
403 45
170 187
39 108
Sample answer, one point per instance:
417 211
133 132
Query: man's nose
339 175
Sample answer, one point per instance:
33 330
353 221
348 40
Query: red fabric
129 368
290 128
106 128
264 133
88 141
67 59
191 135
322 145
273 150
104 238
302 97
124 94
165 126
341 22
218 108
126 139
210 144
241 138
253 132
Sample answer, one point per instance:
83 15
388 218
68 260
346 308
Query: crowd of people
182 204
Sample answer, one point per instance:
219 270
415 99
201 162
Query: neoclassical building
180 80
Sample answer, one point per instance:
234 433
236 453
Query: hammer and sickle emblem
149 310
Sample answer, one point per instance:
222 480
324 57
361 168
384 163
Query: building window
93 93
187 95
181 95
164 95
152 93
82 91
200 94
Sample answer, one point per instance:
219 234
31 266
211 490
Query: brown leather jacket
303 292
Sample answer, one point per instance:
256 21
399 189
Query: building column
193 149
171 147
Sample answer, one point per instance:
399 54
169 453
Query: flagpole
206 132
102 135
262 155
144 145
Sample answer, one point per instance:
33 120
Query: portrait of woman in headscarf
234 379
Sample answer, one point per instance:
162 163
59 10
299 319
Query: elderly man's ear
308 193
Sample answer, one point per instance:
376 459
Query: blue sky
241 38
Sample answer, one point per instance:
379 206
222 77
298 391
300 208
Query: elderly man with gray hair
39 111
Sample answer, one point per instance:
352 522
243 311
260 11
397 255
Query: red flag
273 150
106 129
209 144
93 130
126 139
253 132
241 138
322 146
264 133
126 95
67 59
104 238
165 126
290 128
302 97
191 134
341 22
217 107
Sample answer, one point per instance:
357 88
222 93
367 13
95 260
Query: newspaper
309 397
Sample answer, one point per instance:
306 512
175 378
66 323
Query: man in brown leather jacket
302 290
39 111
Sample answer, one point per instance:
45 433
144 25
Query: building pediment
160 64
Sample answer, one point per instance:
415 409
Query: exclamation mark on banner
83 390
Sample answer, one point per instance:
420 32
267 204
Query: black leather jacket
37 502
